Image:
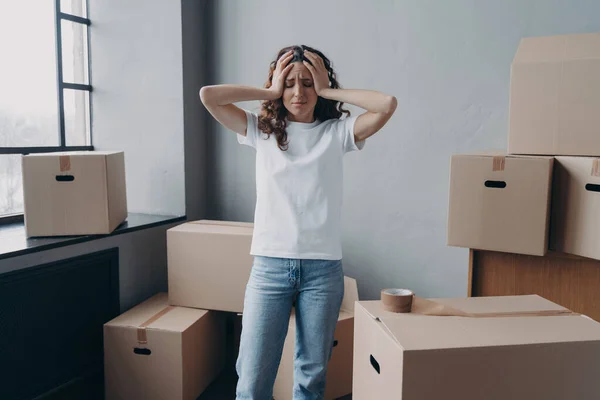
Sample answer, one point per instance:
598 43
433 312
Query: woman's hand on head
282 69
318 71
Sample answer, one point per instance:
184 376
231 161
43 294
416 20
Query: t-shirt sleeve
346 132
252 132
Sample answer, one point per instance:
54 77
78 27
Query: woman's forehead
300 70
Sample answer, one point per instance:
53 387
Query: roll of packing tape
397 300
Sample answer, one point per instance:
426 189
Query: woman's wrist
327 93
271 94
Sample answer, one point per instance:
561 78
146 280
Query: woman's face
299 96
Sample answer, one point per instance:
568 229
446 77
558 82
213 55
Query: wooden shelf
571 281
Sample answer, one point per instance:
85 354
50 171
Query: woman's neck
307 119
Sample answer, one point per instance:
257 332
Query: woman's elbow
205 94
391 104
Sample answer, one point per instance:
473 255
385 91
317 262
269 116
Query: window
45 87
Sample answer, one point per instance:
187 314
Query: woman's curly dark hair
272 117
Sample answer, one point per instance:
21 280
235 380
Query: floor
224 388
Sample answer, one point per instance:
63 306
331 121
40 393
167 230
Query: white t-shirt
299 191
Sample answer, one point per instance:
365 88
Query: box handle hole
142 351
335 343
592 187
375 364
495 184
65 178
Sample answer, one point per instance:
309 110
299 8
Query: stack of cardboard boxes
173 346
543 193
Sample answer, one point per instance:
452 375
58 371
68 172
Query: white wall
448 64
137 103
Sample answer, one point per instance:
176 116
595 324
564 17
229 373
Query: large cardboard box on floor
156 351
491 355
500 203
74 193
555 96
575 223
209 264
339 369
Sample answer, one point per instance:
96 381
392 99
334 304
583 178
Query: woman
300 140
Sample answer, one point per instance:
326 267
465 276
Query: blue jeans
317 286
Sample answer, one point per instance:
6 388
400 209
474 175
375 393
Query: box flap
223 223
499 153
478 305
425 332
176 319
558 48
484 153
215 227
501 304
350 295
97 153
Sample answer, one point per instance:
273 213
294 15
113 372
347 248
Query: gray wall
448 64
137 75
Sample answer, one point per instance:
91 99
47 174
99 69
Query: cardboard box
518 357
339 369
209 264
500 203
575 227
555 96
74 193
155 351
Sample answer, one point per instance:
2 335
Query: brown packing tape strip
498 163
397 300
65 163
596 167
429 307
142 338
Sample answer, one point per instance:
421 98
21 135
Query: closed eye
305 82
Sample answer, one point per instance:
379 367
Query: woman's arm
219 99
380 107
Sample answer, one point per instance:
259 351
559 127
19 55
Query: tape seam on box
65 163
596 167
142 337
498 163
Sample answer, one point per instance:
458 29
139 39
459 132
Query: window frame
59 16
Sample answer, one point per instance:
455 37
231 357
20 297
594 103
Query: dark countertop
14 242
